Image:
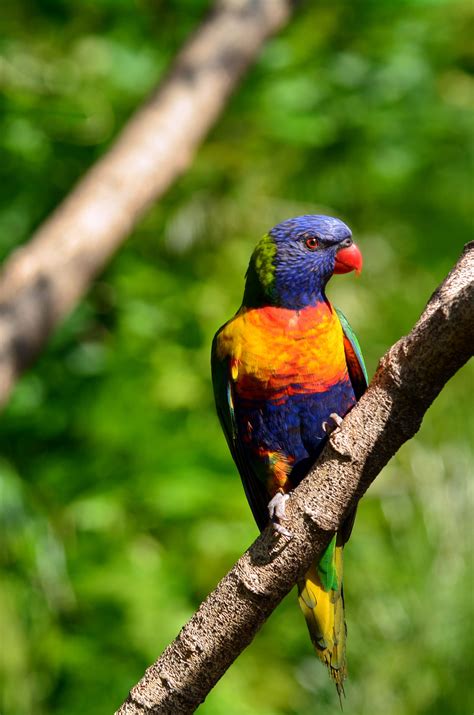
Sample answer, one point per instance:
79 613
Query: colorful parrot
285 369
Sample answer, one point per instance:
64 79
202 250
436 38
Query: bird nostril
346 243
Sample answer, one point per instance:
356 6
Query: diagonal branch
43 281
409 377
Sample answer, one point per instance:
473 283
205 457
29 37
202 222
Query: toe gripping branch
332 424
277 513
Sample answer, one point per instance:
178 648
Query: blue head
293 262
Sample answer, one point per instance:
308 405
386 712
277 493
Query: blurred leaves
119 505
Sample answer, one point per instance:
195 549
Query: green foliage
120 507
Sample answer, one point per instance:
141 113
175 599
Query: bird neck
296 294
270 281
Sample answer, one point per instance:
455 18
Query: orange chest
277 350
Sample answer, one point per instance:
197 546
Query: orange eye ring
312 243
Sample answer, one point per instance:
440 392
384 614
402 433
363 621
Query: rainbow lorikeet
282 368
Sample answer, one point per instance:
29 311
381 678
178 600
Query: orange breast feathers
275 352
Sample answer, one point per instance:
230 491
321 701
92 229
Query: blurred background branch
44 279
409 377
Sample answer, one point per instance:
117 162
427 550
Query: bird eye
312 243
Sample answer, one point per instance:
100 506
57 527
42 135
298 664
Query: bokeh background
120 507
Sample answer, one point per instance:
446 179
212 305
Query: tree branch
43 280
409 377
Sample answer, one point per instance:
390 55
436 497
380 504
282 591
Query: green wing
359 380
254 484
354 359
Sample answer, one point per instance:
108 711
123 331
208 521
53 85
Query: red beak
348 259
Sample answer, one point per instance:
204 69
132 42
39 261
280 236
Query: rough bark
408 379
44 280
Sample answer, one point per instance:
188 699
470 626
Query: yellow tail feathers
322 602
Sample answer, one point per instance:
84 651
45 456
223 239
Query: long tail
322 602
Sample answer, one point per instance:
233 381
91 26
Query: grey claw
334 422
277 513
277 506
281 530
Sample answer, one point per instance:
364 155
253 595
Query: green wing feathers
322 602
223 393
354 358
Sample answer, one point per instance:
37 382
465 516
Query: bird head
291 265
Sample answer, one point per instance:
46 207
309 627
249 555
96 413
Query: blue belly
293 428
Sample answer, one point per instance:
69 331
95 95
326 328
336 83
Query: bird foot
277 513
333 423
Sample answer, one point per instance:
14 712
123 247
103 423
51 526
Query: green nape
260 278
327 568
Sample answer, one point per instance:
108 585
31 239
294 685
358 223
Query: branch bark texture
409 377
44 280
